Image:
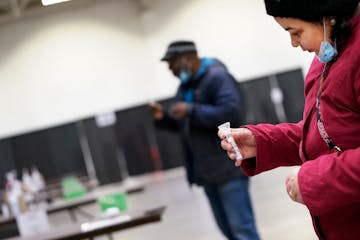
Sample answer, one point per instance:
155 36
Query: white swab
225 128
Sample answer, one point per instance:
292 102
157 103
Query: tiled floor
188 215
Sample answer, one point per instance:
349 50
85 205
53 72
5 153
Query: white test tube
225 128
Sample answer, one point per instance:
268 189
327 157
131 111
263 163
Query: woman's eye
295 34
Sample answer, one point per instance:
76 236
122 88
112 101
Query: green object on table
72 188
115 200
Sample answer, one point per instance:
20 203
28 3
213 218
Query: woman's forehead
294 23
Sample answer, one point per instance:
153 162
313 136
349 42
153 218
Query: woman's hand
245 141
292 186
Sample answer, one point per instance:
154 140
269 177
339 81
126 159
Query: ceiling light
50 2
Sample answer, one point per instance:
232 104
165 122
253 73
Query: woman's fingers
221 134
292 186
243 142
226 145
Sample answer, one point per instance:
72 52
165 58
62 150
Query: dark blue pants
231 206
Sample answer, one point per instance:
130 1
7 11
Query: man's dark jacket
215 100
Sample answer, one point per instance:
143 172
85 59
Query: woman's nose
294 42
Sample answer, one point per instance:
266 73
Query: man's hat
310 10
178 48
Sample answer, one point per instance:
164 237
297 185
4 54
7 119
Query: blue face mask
326 52
184 77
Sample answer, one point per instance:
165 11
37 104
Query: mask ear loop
324 25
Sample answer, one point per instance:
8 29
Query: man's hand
179 110
156 110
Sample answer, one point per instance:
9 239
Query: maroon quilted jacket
329 181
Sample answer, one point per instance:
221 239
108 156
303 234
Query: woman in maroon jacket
326 143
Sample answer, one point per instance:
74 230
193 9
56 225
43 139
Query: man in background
207 97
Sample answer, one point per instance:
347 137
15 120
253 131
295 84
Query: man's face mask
185 73
184 76
326 52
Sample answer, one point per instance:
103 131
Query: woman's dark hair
315 11
341 30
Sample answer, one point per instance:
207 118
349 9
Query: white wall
238 32
71 64
59 67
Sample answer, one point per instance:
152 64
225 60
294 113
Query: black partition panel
6 158
130 146
105 151
54 151
33 149
169 144
260 108
65 150
292 85
135 132
146 149
258 105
